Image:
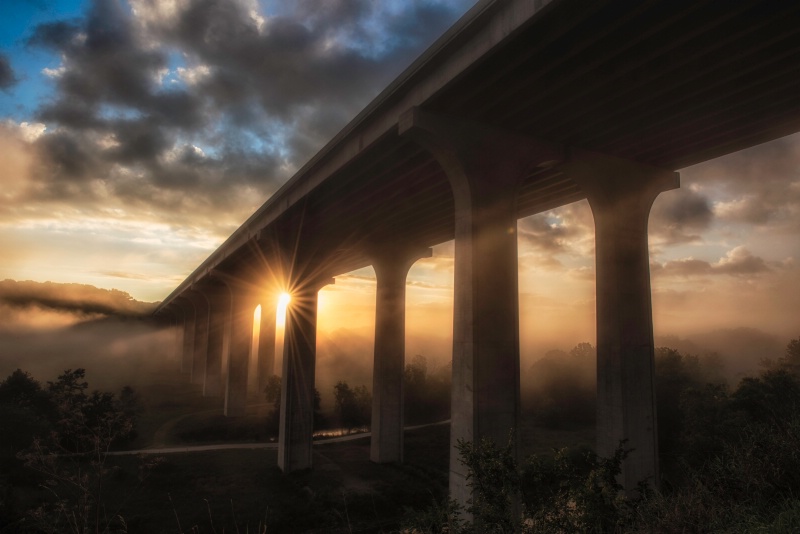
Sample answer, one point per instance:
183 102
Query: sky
137 135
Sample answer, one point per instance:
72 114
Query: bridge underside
506 117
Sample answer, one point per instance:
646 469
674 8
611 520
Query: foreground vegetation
729 455
733 465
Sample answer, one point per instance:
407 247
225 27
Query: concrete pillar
197 372
266 341
484 167
177 327
188 335
297 383
391 268
621 194
219 304
240 343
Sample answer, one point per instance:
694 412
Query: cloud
196 111
757 186
557 239
7 77
79 299
680 216
736 262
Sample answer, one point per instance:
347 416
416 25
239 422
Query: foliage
561 387
354 406
426 392
572 491
676 374
71 459
272 393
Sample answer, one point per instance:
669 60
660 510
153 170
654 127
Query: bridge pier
219 312
297 383
484 167
197 372
266 341
239 346
391 269
621 194
177 325
188 335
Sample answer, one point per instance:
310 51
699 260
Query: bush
572 491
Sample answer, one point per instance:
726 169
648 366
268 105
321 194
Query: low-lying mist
46 328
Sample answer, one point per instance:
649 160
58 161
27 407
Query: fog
46 328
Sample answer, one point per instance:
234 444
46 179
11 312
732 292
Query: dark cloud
57 36
737 262
758 186
680 216
73 298
543 235
256 95
7 77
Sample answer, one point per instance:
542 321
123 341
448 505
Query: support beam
197 373
188 335
391 269
297 383
177 326
243 306
485 168
621 194
266 340
219 304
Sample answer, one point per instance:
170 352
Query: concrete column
621 194
266 341
484 167
219 301
188 335
297 382
177 326
391 268
197 373
240 343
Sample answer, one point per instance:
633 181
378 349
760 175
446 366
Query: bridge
520 107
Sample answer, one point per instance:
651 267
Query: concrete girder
621 194
391 264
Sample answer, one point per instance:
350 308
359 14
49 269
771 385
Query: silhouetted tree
72 457
559 389
354 406
427 394
272 393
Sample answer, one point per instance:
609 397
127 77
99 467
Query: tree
426 392
72 458
560 388
353 405
272 393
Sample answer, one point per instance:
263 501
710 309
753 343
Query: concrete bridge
520 107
